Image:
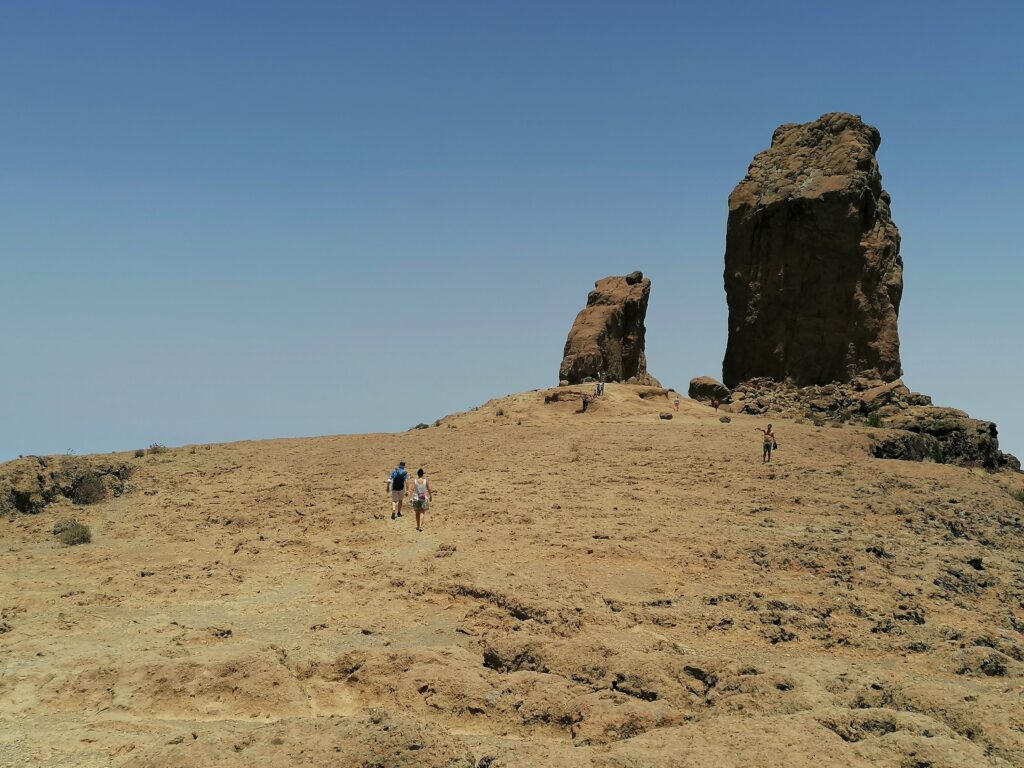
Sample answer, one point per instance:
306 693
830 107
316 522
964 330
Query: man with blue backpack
396 485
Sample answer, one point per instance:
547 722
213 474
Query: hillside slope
599 589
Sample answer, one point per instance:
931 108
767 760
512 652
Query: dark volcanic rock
813 274
908 446
608 334
963 440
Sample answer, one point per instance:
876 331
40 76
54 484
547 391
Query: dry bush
139 453
89 489
157 448
1018 495
72 532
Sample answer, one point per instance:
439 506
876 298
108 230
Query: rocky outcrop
706 388
915 429
607 337
813 274
860 398
907 446
962 440
30 484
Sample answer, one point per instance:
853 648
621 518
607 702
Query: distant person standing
396 487
715 403
676 403
768 443
421 497
586 403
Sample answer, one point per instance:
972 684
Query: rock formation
916 430
608 334
813 274
32 483
707 388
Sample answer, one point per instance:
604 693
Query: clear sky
228 220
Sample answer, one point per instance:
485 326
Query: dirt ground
599 589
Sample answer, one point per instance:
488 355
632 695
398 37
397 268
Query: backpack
398 480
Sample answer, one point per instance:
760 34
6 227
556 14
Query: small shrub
157 448
500 412
139 453
421 425
89 490
71 532
874 420
1018 495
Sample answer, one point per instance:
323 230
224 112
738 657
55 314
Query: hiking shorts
420 504
397 496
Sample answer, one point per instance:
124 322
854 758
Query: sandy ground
599 589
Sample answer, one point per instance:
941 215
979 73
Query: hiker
768 443
677 403
715 403
586 403
421 497
396 486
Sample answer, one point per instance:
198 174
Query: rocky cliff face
608 334
813 274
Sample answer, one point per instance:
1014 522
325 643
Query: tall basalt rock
813 274
608 334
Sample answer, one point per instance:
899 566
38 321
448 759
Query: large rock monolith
607 338
813 274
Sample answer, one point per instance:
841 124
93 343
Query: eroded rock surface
813 274
608 335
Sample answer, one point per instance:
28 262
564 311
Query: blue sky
229 220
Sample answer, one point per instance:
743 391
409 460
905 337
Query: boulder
813 274
665 415
894 392
608 335
705 388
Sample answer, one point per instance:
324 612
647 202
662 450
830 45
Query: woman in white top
421 497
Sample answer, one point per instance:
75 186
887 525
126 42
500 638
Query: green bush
157 448
874 420
72 532
1018 495
139 453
